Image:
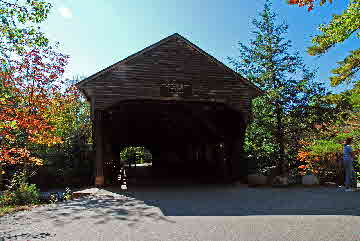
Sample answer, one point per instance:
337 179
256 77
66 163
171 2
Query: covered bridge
179 102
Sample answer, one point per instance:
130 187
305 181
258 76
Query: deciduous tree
30 74
339 29
29 86
321 151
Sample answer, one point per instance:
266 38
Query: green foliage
19 178
339 29
260 141
135 154
73 122
30 71
27 194
293 102
19 28
347 68
68 194
344 125
20 192
324 148
11 209
69 114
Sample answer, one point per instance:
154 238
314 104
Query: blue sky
97 33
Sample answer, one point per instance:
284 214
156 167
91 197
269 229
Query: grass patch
12 209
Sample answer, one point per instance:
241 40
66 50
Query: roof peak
162 41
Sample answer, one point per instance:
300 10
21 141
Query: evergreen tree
293 100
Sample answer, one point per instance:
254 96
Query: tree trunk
280 138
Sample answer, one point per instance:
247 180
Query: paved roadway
194 213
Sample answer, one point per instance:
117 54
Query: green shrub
28 194
17 179
68 194
19 192
24 195
8 198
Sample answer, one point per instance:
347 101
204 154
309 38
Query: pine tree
291 92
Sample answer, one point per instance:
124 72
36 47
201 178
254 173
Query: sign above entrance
174 88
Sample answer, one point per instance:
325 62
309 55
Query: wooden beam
99 135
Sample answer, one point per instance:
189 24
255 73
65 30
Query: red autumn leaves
29 84
301 3
309 3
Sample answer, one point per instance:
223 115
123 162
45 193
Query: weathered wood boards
170 92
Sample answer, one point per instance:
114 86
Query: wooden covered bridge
179 102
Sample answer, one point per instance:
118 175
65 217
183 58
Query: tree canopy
19 27
339 29
322 149
38 109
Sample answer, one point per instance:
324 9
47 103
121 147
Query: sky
96 34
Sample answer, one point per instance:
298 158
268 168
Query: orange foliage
312 163
303 155
29 85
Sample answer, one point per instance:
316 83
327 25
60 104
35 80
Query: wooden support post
99 161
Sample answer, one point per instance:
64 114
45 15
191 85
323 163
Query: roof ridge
162 41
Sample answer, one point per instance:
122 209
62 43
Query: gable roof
171 37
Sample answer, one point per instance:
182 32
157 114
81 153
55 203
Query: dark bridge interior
188 140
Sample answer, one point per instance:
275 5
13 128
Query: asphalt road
194 213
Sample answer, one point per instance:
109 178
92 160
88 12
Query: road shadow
230 200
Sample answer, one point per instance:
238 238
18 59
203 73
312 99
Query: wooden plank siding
170 97
173 61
